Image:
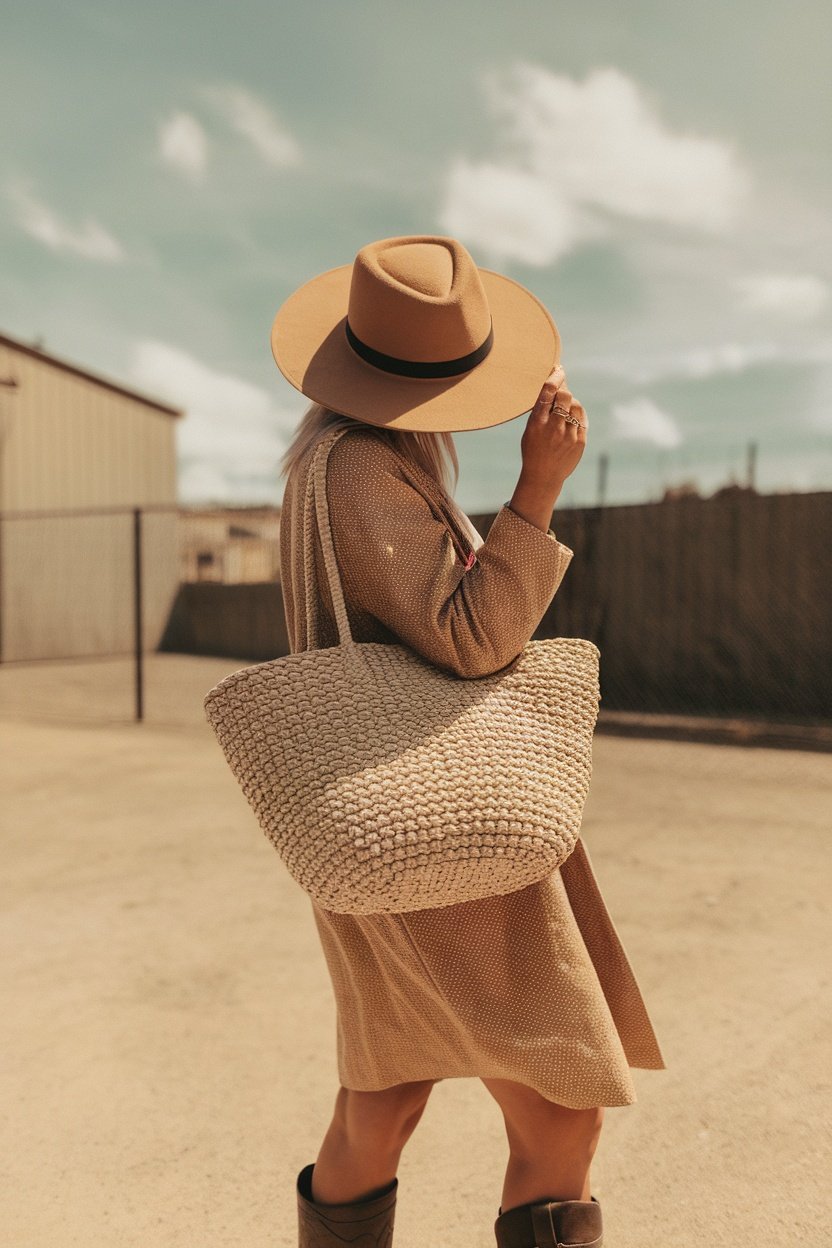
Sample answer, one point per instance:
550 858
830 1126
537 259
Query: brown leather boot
366 1223
551 1224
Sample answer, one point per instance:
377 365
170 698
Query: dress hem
547 1094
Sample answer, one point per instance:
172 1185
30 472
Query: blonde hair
435 452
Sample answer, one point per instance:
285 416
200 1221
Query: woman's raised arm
398 561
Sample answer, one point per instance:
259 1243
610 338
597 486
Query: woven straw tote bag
387 784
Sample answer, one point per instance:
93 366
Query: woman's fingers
577 410
548 392
551 445
556 394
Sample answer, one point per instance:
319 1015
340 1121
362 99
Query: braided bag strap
316 512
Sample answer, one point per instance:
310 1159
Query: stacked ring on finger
567 415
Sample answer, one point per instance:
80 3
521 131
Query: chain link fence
716 607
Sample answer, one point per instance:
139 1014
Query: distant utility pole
603 464
752 463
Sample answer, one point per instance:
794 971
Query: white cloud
183 145
572 154
255 121
509 212
702 362
40 222
233 434
641 420
801 296
698 363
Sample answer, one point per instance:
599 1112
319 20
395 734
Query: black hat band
419 368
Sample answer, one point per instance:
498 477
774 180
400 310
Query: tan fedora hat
413 335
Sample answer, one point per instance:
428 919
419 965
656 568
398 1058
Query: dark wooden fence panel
720 605
230 621
716 606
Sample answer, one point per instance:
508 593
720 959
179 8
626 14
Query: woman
532 991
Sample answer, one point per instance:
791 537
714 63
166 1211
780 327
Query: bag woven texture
387 784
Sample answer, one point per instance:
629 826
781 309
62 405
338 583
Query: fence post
137 606
603 465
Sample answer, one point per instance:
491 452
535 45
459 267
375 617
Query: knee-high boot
551 1224
366 1223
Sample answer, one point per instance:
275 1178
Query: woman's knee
531 1119
386 1117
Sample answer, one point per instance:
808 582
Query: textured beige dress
535 985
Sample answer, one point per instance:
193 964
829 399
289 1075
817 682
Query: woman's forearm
535 501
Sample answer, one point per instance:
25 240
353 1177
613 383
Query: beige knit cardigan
536 985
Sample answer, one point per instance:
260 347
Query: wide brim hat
413 335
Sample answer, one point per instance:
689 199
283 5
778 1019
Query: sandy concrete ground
169 1029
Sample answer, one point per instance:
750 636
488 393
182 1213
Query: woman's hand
551 448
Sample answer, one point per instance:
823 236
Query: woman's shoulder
361 459
363 441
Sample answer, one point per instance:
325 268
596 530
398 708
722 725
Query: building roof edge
78 371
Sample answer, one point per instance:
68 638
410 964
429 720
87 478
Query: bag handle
316 486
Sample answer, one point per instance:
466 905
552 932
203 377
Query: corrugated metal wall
71 444
68 441
68 583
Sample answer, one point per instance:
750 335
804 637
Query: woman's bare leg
361 1149
551 1146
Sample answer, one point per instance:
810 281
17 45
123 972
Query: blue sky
659 175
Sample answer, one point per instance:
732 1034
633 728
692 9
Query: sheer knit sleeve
398 561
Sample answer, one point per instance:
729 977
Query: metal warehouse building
87 479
